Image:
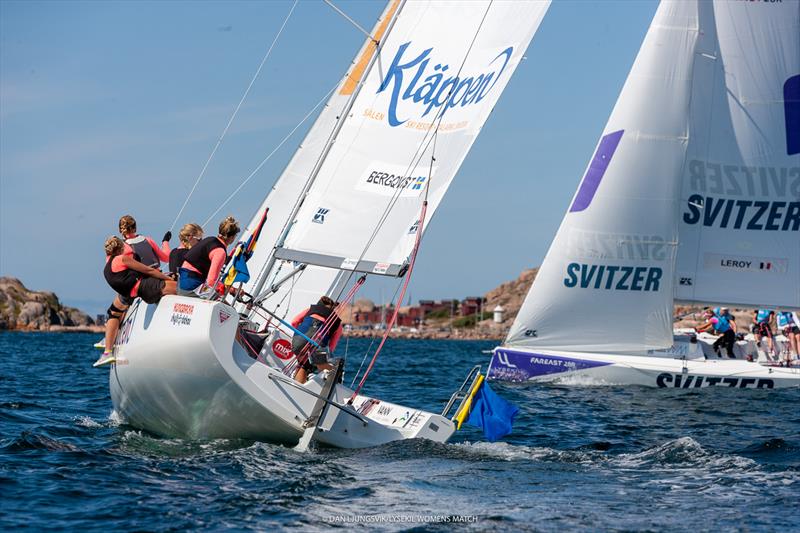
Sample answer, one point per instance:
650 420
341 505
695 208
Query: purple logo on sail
791 108
598 166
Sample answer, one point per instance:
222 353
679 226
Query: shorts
189 280
314 357
126 300
150 290
791 329
763 329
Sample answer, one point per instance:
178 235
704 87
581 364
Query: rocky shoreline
22 309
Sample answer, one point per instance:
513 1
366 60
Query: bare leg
170 287
300 376
325 366
112 324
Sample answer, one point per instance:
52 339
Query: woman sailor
129 278
189 235
321 324
145 249
204 261
789 325
721 322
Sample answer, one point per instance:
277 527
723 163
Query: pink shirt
161 252
217 257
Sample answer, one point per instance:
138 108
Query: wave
514 452
20 405
87 422
683 452
28 441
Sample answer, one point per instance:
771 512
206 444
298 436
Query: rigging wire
351 21
233 116
372 342
430 136
412 257
269 156
308 349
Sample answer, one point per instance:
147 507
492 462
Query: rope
426 141
390 325
233 116
430 137
372 341
264 161
351 21
327 326
302 357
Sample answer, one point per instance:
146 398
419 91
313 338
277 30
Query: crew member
722 323
130 279
762 319
204 261
145 249
188 236
321 324
789 324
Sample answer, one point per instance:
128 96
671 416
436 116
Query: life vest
723 324
176 258
315 319
197 256
785 319
124 281
143 251
763 316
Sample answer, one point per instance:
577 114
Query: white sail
281 200
740 202
606 282
362 211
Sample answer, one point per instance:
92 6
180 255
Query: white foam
511 452
87 422
115 418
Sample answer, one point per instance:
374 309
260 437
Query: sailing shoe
106 358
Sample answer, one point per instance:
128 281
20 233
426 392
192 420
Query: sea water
581 456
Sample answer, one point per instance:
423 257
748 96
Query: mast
353 87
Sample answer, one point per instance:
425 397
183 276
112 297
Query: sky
110 108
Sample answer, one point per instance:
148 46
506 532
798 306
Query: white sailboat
352 202
692 195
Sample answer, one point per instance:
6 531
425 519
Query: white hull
180 373
684 366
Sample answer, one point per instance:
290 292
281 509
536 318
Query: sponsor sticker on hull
508 365
688 381
282 349
182 314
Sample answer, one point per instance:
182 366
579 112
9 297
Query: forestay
740 202
363 208
606 282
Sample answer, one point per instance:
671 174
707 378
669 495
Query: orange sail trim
352 78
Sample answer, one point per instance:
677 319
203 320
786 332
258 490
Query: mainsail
739 222
703 138
368 153
606 283
429 92
290 187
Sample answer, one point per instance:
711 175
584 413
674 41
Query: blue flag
492 413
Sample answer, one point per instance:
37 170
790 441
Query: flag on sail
237 264
483 408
